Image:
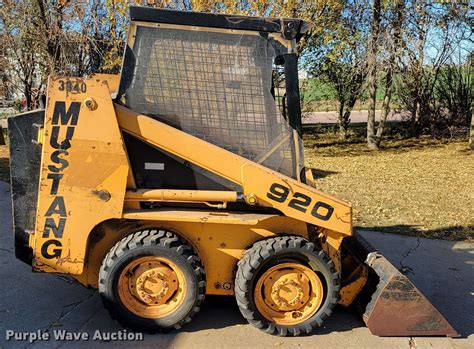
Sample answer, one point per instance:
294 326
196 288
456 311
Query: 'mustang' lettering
64 122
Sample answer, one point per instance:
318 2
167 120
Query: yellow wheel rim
152 287
288 293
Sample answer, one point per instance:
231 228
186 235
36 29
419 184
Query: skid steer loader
184 177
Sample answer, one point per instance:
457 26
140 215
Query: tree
454 95
471 133
348 79
393 44
20 31
372 73
50 25
81 37
43 38
321 13
433 34
338 58
114 28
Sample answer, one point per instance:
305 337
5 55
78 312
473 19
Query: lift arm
261 186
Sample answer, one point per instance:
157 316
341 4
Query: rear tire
152 281
286 286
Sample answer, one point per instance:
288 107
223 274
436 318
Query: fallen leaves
417 187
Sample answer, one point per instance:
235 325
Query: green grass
319 96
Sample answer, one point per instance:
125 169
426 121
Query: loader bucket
390 304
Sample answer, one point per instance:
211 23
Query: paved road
357 116
29 302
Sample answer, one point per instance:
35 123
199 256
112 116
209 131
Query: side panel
25 157
83 172
154 168
220 240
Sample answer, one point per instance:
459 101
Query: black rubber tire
158 243
267 253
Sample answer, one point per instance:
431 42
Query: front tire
152 281
286 286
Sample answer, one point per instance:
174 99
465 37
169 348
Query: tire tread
152 237
254 257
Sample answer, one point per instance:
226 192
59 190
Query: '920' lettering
300 202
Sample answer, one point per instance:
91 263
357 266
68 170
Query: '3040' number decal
300 202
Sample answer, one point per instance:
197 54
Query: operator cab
229 80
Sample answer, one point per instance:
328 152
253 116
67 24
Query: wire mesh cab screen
224 86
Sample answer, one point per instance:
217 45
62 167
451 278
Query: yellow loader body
85 174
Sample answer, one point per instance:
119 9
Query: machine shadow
221 311
216 312
4 169
317 173
451 233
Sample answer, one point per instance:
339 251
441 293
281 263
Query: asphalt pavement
357 116
55 305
